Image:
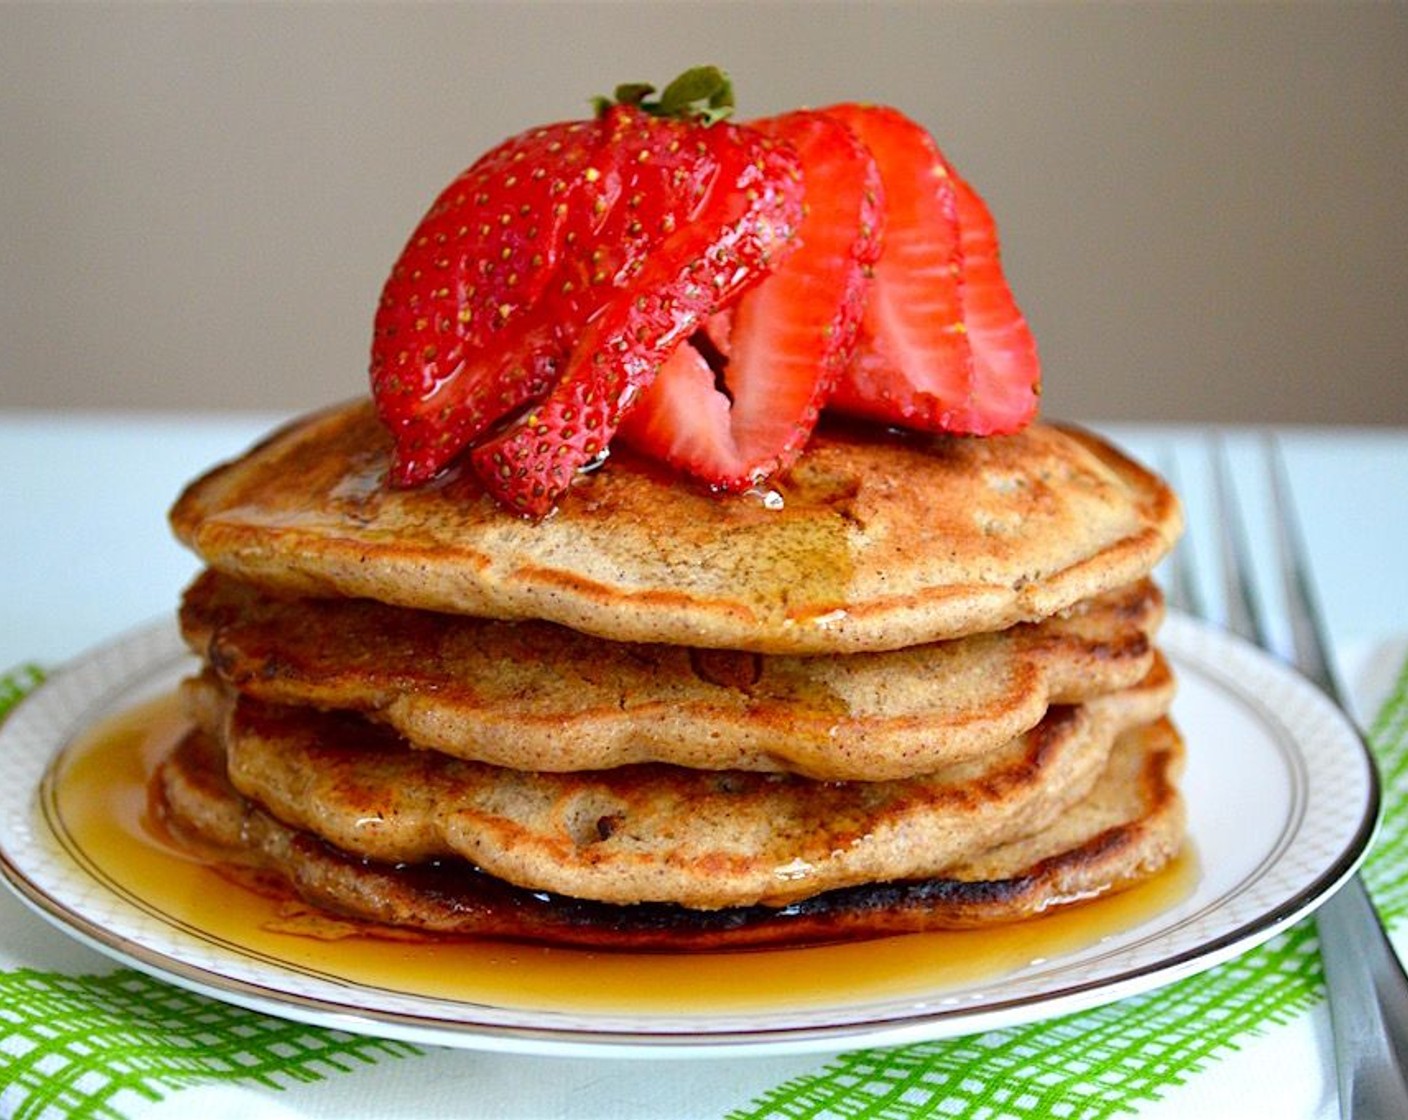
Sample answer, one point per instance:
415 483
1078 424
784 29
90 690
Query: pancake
537 696
1129 827
873 541
660 833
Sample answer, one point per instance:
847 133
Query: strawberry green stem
702 93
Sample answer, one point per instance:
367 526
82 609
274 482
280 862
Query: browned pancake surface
870 542
1129 827
661 833
536 696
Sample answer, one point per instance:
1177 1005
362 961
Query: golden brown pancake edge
1134 840
875 541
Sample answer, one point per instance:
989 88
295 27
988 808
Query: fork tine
1364 979
1181 587
1244 614
1308 636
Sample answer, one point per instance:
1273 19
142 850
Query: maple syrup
99 794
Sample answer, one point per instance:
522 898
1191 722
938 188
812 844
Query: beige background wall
1203 206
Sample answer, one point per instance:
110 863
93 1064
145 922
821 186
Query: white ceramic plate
1282 798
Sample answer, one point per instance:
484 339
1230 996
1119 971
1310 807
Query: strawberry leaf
703 94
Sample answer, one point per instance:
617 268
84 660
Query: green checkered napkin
103 1046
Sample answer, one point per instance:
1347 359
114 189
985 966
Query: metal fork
1364 980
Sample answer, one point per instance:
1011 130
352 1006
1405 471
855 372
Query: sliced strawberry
650 176
514 258
594 247
683 418
1006 368
533 309
452 349
734 231
913 364
943 346
739 403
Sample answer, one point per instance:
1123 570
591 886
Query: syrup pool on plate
97 797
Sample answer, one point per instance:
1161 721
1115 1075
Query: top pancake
873 541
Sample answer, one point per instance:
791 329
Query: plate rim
154 647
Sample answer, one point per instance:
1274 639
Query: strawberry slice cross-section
1006 369
943 345
738 403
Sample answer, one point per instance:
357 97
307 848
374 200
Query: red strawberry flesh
944 347
736 229
782 348
1006 369
914 364
452 350
654 272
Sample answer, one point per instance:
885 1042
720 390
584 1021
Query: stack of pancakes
912 685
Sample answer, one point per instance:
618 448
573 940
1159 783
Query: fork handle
1366 986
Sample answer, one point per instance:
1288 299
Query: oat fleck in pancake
536 696
658 833
1129 827
880 542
